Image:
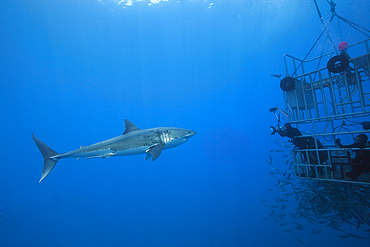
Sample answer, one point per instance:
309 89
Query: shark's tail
46 152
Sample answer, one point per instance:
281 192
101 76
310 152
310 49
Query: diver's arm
281 131
337 141
354 145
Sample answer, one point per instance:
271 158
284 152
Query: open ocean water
72 71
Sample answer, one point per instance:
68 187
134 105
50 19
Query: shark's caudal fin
46 152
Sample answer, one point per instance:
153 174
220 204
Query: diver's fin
46 152
154 152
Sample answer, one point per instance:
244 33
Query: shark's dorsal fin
129 127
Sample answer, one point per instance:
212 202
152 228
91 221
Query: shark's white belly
133 151
103 153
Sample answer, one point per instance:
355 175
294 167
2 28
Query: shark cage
330 105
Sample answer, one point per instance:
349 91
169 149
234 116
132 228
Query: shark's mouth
191 134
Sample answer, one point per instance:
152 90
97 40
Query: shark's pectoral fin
154 151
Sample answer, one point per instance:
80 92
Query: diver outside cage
281 130
288 131
361 163
300 142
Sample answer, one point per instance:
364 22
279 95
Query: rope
354 25
340 30
332 9
313 45
318 11
332 6
322 51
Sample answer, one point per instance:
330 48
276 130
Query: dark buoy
337 64
287 84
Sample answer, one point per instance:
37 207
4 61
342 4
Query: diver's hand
273 130
337 141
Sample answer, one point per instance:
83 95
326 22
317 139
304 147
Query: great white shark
132 141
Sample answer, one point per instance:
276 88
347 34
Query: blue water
71 71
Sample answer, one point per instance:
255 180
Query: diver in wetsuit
361 163
294 133
288 131
307 142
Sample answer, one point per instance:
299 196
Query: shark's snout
191 134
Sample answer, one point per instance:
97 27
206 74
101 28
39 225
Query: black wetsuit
361 163
289 132
305 143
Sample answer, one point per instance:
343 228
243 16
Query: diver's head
343 46
361 139
287 126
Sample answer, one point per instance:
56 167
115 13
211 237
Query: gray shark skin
132 141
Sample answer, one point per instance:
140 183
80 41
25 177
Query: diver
361 163
343 46
287 130
293 133
300 142
340 63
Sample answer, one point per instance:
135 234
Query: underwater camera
274 109
275 129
